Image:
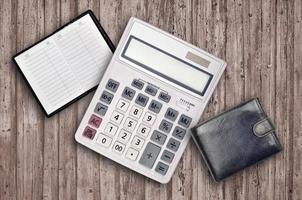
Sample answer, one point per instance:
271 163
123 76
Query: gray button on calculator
137 84
150 155
167 156
165 126
158 137
171 114
179 132
112 85
106 97
100 109
128 93
161 168
173 144
164 97
184 120
155 106
151 90
141 100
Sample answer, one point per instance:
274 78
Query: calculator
153 91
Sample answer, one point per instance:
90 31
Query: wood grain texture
262 44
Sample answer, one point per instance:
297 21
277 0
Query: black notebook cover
236 139
28 82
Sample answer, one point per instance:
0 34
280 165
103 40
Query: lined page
67 64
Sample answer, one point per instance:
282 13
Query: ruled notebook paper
67 64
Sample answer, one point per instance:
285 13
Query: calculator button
117 117
155 106
184 121
130 124
164 97
110 129
173 144
136 112
89 132
167 156
138 142
165 126
112 85
171 114
100 109
150 155
118 147
149 118
122 105
161 168
158 137
106 97
95 121
124 136
143 130
179 133
138 84
141 100
104 140
128 93
132 154
151 90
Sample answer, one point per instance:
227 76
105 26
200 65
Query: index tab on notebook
66 64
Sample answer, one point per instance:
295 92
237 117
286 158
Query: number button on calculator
124 136
136 112
110 129
104 140
143 130
118 147
117 117
138 142
130 124
149 118
122 105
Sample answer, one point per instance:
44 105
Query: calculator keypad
128 129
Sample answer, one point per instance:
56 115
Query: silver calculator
154 90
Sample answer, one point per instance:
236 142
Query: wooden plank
297 103
284 61
8 131
88 171
67 127
51 125
30 20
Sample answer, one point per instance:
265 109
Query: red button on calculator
95 121
89 132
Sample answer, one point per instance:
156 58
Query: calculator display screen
166 65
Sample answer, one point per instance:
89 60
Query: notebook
67 64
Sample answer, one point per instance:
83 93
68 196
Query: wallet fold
236 139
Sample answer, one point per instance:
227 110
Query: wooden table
262 44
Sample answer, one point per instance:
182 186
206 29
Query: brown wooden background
262 44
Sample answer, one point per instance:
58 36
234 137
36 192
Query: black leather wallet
236 139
